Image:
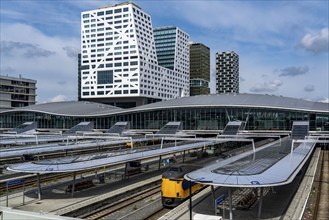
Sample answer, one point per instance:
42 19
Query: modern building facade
172 48
227 72
16 92
199 69
79 77
118 59
208 112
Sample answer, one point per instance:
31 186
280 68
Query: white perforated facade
118 57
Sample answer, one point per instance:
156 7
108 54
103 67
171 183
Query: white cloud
325 100
316 42
271 86
8 48
58 98
72 51
49 71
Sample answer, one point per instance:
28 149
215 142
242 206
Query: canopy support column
126 171
159 162
39 186
73 184
190 200
214 198
260 202
230 202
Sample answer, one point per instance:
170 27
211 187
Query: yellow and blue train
174 188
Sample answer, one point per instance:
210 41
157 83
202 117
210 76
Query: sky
282 45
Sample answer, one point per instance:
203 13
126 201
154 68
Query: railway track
322 200
29 181
107 210
32 182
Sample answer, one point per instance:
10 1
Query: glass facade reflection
202 118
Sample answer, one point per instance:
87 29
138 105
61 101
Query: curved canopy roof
83 108
71 108
270 165
241 100
91 161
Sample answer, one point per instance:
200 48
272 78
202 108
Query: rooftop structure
25 128
119 65
119 128
16 92
81 127
171 128
232 128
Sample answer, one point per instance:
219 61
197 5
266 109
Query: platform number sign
255 182
219 200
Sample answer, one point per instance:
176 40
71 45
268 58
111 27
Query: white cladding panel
118 57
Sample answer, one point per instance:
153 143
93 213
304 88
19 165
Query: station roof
71 108
83 108
270 165
241 100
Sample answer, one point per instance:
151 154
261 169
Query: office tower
172 48
16 92
227 72
199 69
118 60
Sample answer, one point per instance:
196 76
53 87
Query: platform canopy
92 161
270 165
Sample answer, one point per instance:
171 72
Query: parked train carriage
174 188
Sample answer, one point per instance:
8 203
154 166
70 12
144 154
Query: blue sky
282 45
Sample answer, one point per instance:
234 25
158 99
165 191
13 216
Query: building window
105 77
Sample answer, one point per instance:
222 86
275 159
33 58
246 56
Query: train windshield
175 169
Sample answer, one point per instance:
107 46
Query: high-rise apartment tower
119 64
227 72
199 69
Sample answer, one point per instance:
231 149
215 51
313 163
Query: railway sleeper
84 210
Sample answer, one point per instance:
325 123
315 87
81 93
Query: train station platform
56 201
279 202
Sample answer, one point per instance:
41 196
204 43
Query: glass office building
208 112
199 69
